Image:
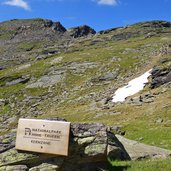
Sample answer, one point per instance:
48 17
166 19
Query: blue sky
99 14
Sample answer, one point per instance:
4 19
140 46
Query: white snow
133 87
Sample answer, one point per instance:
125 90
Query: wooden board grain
43 136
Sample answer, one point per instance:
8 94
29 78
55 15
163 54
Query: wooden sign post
43 136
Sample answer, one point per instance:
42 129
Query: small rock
4 102
24 66
163 60
109 76
1 68
116 129
159 120
56 60
12 119
116 59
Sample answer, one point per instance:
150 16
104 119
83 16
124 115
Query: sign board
43 136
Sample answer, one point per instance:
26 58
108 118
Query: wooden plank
43 136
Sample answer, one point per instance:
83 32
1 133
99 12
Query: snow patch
133 87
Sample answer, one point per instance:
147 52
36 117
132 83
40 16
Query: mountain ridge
27 35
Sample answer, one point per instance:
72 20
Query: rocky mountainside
26 40
48 71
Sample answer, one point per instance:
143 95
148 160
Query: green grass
146 165
154 134
8 91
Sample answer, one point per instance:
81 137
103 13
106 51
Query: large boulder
91 144
139 151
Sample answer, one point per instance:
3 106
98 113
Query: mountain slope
49 71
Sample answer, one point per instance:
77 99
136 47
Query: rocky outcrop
109 30
160 77
47 80
90 146
155 24
81 31
57 26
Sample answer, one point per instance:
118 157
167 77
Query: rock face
81 31
90 146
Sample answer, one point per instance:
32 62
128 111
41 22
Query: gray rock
164 60
139 151
109 76
3 102
106 77
56 60
2 67
160 77
46 81
41 57
160 120
12 119
14 168
114 59
23 80
7 142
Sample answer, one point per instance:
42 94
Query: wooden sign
43 136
